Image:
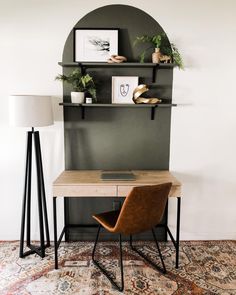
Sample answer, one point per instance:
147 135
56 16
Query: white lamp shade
30 110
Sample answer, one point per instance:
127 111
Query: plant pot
77 97
156 56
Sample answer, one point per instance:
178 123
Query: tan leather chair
142 210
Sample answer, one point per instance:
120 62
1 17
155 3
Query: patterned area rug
205 268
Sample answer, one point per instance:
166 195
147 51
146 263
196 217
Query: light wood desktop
88 183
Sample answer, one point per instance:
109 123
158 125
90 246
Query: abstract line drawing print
124 89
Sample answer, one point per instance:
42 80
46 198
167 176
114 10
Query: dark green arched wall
115 138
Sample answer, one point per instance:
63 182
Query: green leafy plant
79 82
154 40
160 41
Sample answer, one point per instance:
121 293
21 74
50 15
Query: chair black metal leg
166 220
163 270
159 251
120 288
95 244
121 264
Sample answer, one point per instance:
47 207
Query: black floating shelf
150 65
109 105
118 65
118 105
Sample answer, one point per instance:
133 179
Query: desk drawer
123 190
84 191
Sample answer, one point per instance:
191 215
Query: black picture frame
94 44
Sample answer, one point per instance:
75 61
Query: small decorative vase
77 97
156 56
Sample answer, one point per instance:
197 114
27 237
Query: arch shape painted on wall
131 21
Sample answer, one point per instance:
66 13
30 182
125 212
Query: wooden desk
87 183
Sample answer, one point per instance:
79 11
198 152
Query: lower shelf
152 107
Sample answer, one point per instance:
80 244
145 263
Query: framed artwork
95 45
122 88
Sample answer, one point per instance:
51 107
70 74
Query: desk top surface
93 177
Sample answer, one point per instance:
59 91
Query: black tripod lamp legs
105 272
26 206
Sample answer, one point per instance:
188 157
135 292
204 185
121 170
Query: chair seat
108 219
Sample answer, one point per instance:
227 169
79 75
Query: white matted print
122 88
95 45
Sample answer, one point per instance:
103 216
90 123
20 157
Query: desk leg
55 230
66 220
166 221
177 232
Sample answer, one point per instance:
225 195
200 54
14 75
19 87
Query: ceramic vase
156 56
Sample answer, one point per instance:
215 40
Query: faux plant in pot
81 84
164 51
155 42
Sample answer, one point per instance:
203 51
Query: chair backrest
143 208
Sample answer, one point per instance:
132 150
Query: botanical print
95 45
99 44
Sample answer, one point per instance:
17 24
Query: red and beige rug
205 268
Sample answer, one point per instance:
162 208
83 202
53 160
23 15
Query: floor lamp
32 111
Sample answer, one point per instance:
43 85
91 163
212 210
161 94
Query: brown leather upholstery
143 208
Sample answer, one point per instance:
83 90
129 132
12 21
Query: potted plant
162 48
80 84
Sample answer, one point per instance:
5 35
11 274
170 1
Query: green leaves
142 39
177 59
155 40
142 56
160 41
79 82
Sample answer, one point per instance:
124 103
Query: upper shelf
118 65
118 105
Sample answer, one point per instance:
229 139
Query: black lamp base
26 206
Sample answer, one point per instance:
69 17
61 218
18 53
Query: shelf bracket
82 68
82 112
153 110
154 71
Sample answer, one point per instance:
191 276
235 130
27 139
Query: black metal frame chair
142 210
106 273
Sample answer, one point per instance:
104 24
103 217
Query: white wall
203 141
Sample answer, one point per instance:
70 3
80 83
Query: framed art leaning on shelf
122 89
95 45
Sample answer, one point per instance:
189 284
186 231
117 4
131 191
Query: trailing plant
79 82
173 52
160 41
